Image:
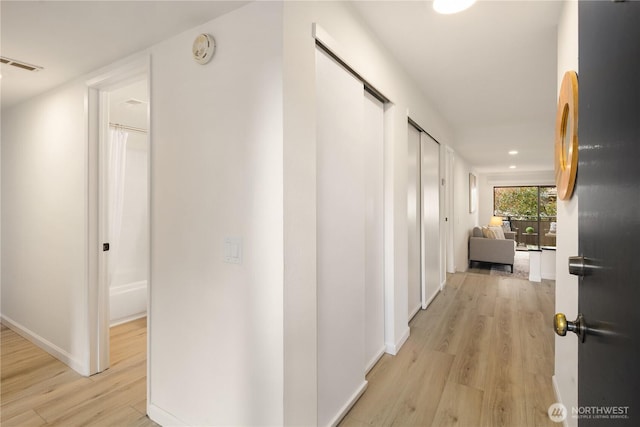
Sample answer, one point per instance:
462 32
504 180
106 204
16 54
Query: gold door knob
562 325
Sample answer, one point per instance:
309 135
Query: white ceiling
72 38
490 71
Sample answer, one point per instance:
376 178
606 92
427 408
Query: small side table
535 263
548 263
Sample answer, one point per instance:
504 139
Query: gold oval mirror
566 137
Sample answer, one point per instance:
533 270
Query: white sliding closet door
414 216
430 217
340 238
374 231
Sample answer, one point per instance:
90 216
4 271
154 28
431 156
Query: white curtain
117 160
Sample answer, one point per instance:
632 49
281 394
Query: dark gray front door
608 186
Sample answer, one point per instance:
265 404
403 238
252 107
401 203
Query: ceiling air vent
134 102
20 64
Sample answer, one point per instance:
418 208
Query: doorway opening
119 225
124 170
124 166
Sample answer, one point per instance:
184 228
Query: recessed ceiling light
513 152
447 7
512 167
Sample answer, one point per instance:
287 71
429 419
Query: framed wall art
473 193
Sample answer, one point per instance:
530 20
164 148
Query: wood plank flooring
39 390
480 355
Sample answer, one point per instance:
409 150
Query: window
531 212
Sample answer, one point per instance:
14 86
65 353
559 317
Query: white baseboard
415 311
49 347
352 401
393 349
127 302
128 319
162 417
430 299
556 391
374 360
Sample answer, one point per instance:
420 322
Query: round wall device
203 48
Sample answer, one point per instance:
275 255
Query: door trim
108 78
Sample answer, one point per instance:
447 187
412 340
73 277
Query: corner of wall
39 341
566 348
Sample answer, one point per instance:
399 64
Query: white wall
216 329
299 156
44 222
566 351
464 221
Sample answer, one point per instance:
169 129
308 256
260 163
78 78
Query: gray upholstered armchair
497 251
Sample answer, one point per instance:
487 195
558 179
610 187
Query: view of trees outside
548 202
522 202
529 219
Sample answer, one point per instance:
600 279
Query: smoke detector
203 48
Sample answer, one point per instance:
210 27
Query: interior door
340 238
608 186
414 212
430 201
373 133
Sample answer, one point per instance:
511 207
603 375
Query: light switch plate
233 250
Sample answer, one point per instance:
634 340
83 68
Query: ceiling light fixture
448 7
512 167
513 152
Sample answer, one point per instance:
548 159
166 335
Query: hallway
480 355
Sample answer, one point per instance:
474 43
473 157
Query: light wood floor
480 355
39 390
